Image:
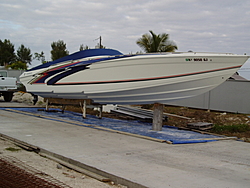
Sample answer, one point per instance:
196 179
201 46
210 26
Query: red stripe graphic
145 79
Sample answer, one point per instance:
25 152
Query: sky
197 25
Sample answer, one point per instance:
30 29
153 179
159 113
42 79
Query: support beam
84 109
157 118
47 105
84 104
100 112
63 108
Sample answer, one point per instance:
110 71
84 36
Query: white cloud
213 25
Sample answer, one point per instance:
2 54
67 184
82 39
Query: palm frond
144 42
156 43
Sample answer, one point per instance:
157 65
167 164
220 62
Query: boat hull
142 79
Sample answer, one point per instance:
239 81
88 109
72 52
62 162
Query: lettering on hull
197 59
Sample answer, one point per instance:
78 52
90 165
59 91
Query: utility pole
100 42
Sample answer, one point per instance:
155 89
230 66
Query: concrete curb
75 165
90 170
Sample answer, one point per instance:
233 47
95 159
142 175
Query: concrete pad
147 163
12 104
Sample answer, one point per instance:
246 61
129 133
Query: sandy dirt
52 168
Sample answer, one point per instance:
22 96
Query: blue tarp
168 133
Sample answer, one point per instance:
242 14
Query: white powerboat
108 77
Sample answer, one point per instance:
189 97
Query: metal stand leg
84 109
47 105
100 112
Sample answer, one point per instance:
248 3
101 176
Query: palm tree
156 43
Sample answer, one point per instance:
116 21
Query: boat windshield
80 55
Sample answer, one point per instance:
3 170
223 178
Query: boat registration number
198 59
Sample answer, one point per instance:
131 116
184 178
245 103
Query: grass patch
12 149
220 129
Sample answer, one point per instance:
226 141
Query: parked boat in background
108 77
